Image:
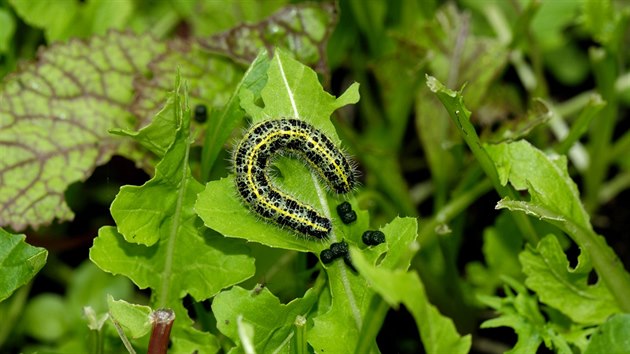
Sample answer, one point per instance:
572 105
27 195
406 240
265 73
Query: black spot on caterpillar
252 158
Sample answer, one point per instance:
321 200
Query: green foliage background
491 136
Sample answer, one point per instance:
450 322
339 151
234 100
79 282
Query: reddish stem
162 320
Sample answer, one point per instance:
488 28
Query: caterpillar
254 154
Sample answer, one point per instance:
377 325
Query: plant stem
460 115
300 335
15 305
122 336
162 323
604 69
454 207
372 324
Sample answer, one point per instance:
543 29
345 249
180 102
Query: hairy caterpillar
295 137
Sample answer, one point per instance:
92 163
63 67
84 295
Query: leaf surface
549 275
290 90
19 262
161 244
54 118
398 286
272 321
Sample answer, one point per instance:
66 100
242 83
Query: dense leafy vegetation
491 139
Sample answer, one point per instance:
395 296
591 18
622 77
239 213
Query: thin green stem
14 307
613 187
454 207
605 71
122 335
372 325
300 335
453 102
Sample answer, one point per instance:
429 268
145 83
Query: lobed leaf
19 262
519 310
612 336
272 321
134 318
352 295
557 285
161 244
545 178
396 285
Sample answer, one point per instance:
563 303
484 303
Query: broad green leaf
175 256
351 294
54 118
611 337
65 19
210 17
7 29
290 90
302 29
557 285
293 90
135 319
19 262
77 91
272 321
398 286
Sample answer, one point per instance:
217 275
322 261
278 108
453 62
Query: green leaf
290 90
54 120
600 18
7 29
555 198
545 178
77 91
302 29
62 20
557 285
272 321
352 295
145 214
135 319
520 311
229 117
611 337
182 257
396 286
19 262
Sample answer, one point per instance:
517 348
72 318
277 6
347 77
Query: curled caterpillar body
293 136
